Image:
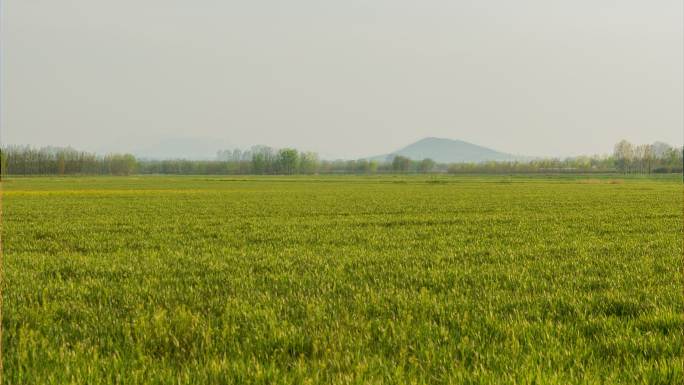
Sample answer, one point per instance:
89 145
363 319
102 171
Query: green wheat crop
319 280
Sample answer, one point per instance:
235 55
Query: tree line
27 160
647 158
263 160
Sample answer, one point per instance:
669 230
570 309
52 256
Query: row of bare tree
27 160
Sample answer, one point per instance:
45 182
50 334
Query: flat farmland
385 280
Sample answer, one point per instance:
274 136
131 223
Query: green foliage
426 165
401 163
383 280
120 164
288 161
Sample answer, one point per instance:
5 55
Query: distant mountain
448 151
191 148
195 148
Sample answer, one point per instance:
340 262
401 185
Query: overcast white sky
346 78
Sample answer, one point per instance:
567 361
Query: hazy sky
346 78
